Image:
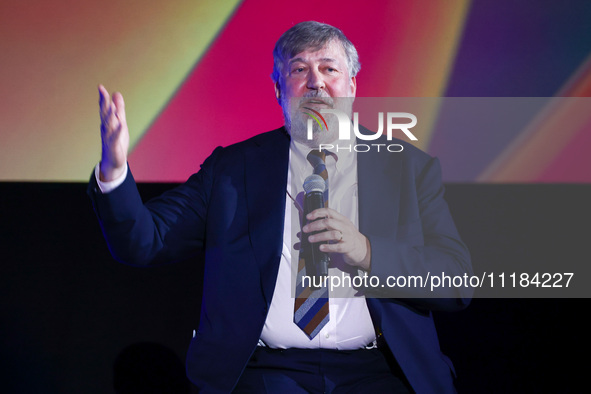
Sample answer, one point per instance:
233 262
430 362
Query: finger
104 101
324 212
112 120
332 248
120 106
325 236
322 224
318 213
109 121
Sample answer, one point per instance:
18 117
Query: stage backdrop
195 75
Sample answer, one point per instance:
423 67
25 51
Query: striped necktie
311 304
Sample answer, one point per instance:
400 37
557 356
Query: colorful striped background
195 75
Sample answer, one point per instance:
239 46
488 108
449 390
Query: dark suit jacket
234 208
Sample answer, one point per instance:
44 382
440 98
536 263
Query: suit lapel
266 166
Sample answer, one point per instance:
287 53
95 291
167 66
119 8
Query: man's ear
353 85
278 92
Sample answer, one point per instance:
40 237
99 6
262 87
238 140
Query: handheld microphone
316 261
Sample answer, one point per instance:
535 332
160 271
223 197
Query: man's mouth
316 101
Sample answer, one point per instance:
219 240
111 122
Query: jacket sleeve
425 249
167 228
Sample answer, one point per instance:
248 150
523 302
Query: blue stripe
313 311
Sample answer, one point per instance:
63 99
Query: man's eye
298 70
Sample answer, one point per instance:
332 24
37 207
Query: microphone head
314 183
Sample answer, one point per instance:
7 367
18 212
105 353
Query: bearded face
312 80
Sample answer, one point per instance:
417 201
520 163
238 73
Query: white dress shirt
350 325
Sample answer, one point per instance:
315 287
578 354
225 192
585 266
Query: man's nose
315 80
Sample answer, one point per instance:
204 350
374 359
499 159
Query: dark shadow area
67 309
149 368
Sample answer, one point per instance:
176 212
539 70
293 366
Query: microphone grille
314 183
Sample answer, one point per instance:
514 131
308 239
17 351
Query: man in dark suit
387 217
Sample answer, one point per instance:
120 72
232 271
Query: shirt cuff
107 187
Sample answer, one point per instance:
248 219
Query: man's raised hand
114 135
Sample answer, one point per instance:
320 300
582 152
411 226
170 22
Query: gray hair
311 35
